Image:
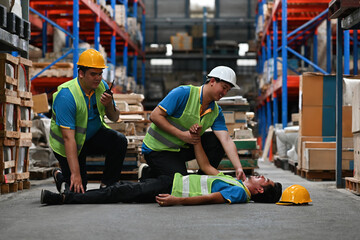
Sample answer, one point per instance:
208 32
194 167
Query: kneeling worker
78 128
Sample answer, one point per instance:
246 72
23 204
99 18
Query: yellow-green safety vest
56 138
198 185
159 140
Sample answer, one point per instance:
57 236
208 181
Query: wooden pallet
325 175
293 166
14 187
353 185
281 162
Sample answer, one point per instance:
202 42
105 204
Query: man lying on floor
186 190
175 190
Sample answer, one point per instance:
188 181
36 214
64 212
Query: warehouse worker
185 190
168 145
78 128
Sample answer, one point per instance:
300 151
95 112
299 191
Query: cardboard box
312 145
357 156
232 126
41 104
325 159
229 116
311 89
240 117
302 139
347 121
321 121
311 121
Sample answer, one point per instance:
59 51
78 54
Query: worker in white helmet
168 144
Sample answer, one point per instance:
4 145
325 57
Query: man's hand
193 135
240 175
106 99
190 137
195 129
167 200
76 183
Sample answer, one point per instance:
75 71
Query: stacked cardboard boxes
316 145
15 122
181 42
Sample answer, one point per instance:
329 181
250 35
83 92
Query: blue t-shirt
65 110
174 105
232 193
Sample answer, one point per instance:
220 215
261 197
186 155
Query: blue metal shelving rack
289 39
100 18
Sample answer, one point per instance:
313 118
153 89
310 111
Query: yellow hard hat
91 58
295 194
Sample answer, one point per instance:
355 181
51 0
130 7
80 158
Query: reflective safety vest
55 137
159 140
198 185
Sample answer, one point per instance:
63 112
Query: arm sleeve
65 109
174 103
233 194
219 123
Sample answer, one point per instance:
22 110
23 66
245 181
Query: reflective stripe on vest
61 140
203 184
162 139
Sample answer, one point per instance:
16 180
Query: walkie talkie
108 91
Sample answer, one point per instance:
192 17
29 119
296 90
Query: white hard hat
225 74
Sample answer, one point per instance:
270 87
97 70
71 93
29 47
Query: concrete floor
334 214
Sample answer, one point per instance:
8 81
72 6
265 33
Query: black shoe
58 183
51 198
144 172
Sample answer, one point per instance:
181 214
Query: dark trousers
169 163
140 192
106 142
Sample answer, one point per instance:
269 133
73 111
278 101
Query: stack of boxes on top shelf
133 123
181 42
316 146
235 110
15 124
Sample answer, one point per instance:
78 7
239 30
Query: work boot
144 172
61 186
51 198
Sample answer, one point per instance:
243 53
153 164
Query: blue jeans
106 142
